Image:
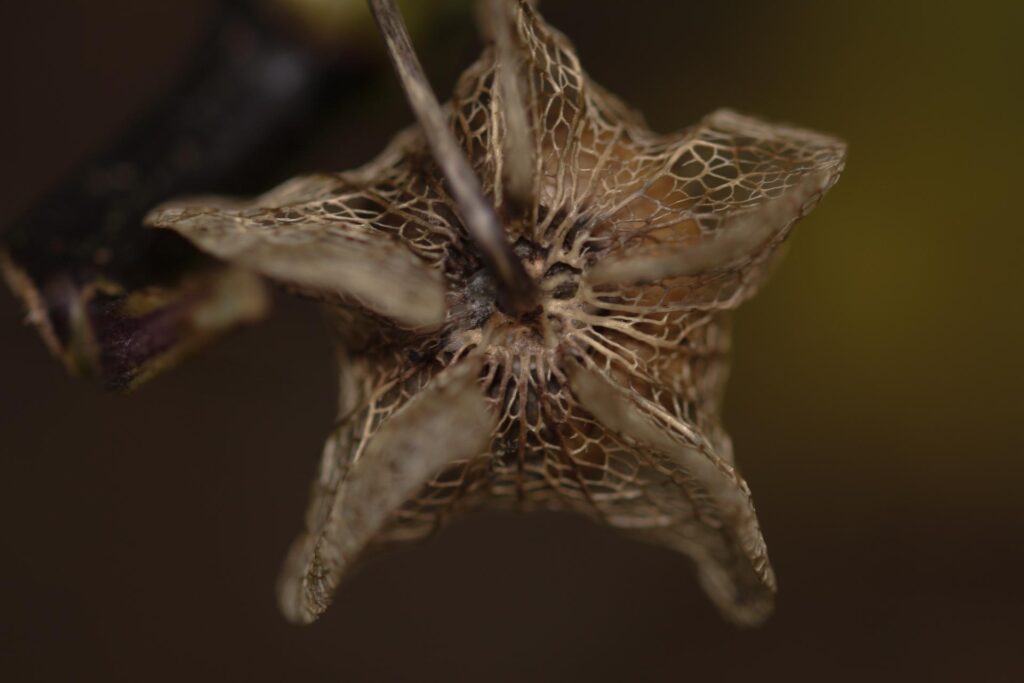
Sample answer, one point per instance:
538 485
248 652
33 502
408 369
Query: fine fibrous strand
518 174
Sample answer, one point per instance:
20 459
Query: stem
482 224
116 301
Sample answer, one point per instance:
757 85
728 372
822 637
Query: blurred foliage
349 21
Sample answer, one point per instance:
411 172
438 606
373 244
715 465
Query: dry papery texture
604 398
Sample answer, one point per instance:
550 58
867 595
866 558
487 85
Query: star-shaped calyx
531 291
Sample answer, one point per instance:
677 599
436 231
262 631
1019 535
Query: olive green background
876 400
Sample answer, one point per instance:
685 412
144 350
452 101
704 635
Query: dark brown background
875 404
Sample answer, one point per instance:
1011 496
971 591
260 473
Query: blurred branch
120 303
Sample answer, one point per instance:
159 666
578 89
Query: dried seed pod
604 394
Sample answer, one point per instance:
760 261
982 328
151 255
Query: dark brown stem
118 302
481 220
